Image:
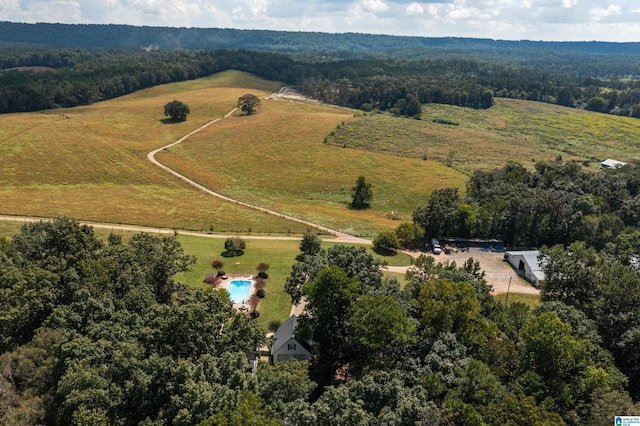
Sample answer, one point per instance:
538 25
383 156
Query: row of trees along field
557 203
95 333
79 77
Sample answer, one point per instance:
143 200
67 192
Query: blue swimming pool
239 290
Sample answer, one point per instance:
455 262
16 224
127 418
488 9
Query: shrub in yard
234 246
263 275
260 293
262 267
274 325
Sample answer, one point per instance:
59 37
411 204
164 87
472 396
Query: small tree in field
217 264
261 279
176 110
248 103
310 244
362 194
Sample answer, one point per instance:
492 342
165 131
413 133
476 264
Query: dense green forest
78 77
557 203
97 333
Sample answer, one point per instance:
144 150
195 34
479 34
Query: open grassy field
512 130
277 159
90 162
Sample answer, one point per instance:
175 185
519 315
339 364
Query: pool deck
242 306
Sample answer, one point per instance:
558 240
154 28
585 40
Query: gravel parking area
498 272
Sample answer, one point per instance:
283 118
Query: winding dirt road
342 237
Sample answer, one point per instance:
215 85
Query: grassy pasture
277 159
90 162
512 130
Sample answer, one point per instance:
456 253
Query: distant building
286 346
527 265
611 164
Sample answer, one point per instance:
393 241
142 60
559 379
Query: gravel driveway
498 272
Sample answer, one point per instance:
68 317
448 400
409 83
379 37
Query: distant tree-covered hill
92 36
365 71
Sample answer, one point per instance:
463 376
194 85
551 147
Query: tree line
556 203
79 77
100 36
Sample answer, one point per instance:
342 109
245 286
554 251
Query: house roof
284 333
612 163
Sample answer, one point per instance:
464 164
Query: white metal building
526 264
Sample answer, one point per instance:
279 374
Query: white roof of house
612 163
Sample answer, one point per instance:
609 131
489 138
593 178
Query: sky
551 20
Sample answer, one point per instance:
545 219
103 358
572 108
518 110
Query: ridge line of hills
103 36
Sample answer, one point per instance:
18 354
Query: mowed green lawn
277 159
90 162
279 254
511 130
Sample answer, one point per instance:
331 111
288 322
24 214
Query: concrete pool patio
243 304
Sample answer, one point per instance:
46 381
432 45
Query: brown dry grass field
90 162
277 159
511 130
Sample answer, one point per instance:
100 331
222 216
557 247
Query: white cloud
611 10
414 9
374 6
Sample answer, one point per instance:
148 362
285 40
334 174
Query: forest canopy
70 77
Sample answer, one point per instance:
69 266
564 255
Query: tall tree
380 331
329 299
572 275
438 217
310 244
362 194
248 103
386 241
176 110
410 235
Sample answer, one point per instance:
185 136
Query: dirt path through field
346 238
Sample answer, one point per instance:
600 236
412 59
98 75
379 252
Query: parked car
435 245
462 247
